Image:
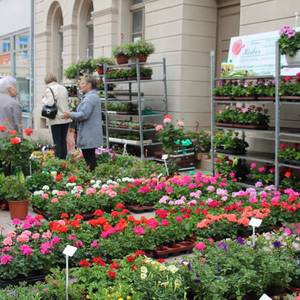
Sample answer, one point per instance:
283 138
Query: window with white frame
138 19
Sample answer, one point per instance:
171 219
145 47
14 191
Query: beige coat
62 98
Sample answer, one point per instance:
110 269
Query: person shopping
59 127
89 121
10 108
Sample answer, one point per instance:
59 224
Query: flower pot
18 209
295 60
142 58
122 59
100 70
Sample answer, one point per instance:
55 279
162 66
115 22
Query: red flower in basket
15 141
28 131
2 128
287 78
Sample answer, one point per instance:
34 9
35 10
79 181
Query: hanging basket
293 60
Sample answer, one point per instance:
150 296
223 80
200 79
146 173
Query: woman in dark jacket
89 121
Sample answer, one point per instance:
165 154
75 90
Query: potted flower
289 154
99 63
289 44
120 55
229 142
16 193
290 88
139 50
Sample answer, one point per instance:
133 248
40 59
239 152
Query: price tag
165 157
265 297
255 222
69 250
159 176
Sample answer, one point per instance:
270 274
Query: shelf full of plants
239 105
131 120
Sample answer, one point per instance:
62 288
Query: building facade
15 50
183 31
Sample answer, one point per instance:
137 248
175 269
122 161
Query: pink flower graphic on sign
237 47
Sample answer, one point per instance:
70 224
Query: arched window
54 24
82 17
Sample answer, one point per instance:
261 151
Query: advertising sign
256 53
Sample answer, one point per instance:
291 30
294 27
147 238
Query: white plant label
159 176
255 222
165 157
69 250
265 297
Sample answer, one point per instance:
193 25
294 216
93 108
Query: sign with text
255 222
256 53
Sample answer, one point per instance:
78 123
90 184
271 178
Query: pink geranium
47 235
35 236
5 259
200 246
46 248
95 244
165 222
26 250
152 223
139 230
7 241
23 238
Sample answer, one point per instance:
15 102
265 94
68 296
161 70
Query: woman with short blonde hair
57 93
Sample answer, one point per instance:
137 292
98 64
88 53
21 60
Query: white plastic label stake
69 250
159 176
265 297
165 157
254 222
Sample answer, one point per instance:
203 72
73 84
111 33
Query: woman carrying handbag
56 100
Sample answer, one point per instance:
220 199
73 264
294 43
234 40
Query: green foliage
38 180
134 49
102 61
201 140
72 71
14 188
126 74
229 140
251 115
290 153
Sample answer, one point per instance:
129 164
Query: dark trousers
59 134
89 156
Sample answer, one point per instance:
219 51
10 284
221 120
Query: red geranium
120 206
139 253
84 263
98 213
112 275
130 258
99 261
58 177
64 216
28 131
161 213
288 174
12 132
287 78
15 141
3 128
72 179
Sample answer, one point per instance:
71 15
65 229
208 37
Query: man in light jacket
10 108
89 118
57 93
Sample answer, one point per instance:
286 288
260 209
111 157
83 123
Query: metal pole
212 108
67 277
277 114
31 103
106 112
141 121
165 85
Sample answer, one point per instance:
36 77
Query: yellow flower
162 268
177 283
173 269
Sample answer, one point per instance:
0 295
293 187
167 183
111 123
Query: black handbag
48 111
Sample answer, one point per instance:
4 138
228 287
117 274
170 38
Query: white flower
143 276
109 181
177 283
53 173
92 181
38 193
162 268
69 184
54 192
45 188
144 269
173 269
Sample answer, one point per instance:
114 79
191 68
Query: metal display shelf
131 130
277 131
138 96
253 155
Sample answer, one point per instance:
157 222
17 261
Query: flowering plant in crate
290 86
289 153
262 173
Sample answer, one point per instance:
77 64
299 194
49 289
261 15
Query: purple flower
287 31
240 240
223 245
277 244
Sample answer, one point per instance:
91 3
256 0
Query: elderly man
10 108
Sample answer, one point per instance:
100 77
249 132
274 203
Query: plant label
159 176
265 297
69 250
254 222
165 157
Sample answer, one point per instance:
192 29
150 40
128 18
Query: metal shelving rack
140 99
278 131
